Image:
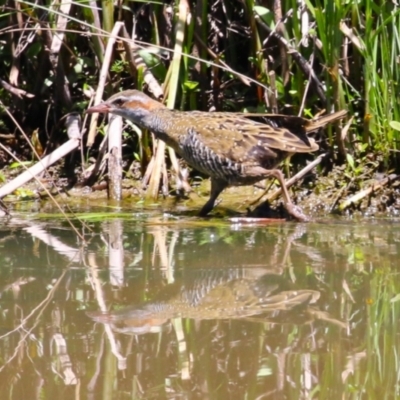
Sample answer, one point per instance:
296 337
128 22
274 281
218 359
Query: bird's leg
292 209
217 186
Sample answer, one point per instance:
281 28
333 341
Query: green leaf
350 160
149 58
395 298
191 85
78 67
153 61
395 125
266 15
20 164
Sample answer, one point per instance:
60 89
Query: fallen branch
73 123
15 91
377 185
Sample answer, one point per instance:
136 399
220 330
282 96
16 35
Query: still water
163 308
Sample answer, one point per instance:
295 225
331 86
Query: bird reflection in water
217 295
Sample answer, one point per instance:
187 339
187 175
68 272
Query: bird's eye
118 102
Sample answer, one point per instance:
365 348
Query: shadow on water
165 308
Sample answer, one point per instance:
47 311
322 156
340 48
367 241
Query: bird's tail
315 124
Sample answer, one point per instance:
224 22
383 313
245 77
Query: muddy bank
338 192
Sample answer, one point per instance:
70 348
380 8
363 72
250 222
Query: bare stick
156 176
301 62
377 185
136 62
73 122
57 38
273 98
290 182
219 62
115 158
15 91
294 179
102 81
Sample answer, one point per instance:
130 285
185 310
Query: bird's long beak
103 108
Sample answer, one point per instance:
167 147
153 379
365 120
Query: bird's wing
295 123
242 139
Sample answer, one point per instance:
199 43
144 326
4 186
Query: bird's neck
161 123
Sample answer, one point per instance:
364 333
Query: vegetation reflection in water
278 311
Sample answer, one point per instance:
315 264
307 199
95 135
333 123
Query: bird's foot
203 213
205 210
208 208
296 213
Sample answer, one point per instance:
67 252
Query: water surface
165 308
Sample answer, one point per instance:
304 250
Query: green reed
353 48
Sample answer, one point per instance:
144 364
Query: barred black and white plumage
232 148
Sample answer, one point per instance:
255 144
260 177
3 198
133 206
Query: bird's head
130 104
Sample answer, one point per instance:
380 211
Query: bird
234 149
232 293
